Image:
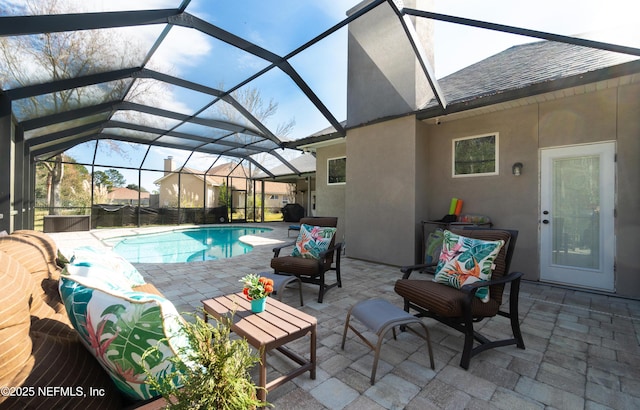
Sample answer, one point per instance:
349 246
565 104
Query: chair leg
321 292
300 292
376 358
346 327
466 351
513 313
468 335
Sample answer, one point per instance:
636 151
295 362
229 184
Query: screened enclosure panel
67 100
143 118
120 154
231 80
324 68
65 125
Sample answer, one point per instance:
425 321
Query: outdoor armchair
460 308
311 270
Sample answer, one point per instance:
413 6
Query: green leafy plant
213 372
256 287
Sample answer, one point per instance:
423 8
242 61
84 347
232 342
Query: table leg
312 353
262 393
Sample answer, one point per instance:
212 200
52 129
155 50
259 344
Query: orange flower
256 287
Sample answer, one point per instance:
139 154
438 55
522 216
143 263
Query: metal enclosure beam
419 50
525 32
54 23
6 182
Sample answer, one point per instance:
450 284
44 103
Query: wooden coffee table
272 329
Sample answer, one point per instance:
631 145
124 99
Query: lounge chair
312 270
460 308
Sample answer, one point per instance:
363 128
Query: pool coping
98 238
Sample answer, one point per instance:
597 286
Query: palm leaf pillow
118 326
466 260
313 240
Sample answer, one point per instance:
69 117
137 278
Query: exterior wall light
516 169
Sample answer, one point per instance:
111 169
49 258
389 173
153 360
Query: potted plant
212 373
256 289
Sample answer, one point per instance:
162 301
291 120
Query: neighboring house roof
126 193
526 66
217 176
276 188
220 173
194 173
229 169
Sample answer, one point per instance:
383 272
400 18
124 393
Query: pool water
185 245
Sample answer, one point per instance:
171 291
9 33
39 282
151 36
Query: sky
283 25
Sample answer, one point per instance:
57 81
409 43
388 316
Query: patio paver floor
582 348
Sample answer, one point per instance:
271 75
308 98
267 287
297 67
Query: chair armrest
406 270
472 287
336 247
277 249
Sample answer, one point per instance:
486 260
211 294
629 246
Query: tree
111 178
224 198
135 187
73 192
251 99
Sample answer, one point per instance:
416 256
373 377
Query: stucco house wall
381 191
399 173
333 196
511 202
628 190
191 191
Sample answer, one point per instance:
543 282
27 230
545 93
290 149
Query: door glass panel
576 205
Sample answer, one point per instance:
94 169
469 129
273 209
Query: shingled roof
534 64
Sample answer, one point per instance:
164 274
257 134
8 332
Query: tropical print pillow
117 326
466 260
97 276
90 256
312 240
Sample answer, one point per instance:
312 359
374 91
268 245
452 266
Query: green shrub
213 372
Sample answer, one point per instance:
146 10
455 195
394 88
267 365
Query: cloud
183 48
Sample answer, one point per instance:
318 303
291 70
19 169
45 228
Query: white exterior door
577 198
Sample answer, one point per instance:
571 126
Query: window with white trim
475 156
337 171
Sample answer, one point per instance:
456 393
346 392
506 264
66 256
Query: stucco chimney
168 165
383 76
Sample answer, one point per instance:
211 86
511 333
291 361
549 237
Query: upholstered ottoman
281 281
378 315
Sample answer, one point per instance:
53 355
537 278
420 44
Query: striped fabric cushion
39 349
294 264
44 246
442 300
15 344
38 257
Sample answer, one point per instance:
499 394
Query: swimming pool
185 245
